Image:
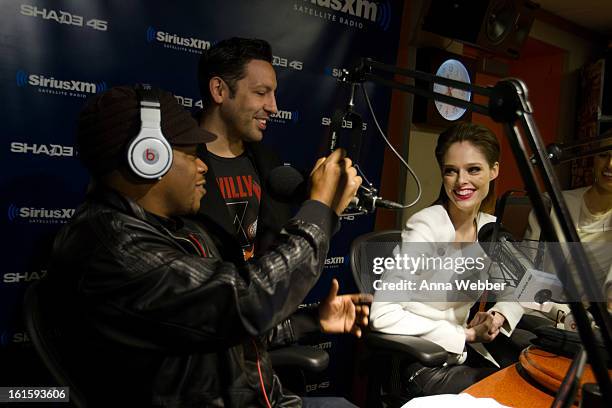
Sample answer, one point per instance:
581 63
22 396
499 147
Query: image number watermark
34 394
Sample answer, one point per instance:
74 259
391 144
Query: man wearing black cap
149 314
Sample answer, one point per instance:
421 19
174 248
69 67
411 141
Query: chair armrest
424 351
304 357
531 322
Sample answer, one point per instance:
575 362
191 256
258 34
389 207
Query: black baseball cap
111 119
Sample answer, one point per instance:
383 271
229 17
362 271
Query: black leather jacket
151 316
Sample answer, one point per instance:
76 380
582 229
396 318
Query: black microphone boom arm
508 103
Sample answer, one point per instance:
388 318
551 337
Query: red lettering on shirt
232 187
221 186
238 187
248 182
240 190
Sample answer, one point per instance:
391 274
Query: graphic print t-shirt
240 188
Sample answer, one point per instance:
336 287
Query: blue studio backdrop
55 54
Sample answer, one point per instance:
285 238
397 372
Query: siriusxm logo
378 12
49 150
384 15
334 72
323 346
358 8
283 116
39 215
57 86
177 42
334 260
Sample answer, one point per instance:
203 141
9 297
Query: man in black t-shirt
238 85
240 187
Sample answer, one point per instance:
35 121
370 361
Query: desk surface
508 387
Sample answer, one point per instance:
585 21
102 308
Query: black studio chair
387 352
512 209
40 334
293 363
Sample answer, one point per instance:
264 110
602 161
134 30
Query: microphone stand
559 153
509 104
353 146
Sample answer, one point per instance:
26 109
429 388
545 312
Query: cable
399 156
193 238
261 381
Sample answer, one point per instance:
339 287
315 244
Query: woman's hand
498 319
481 329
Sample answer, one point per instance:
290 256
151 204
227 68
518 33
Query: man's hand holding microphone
334 181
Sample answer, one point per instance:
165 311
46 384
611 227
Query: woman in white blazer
468 156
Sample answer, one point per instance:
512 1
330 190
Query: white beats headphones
149 154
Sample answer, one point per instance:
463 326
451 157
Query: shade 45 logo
188 102
283 116
53 150
176 42
62 17
350 13
23 277
51 85
317 386
39 215
285 63
346 124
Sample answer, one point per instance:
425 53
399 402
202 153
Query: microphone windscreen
494 232
286 183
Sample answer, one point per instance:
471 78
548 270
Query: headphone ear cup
149 154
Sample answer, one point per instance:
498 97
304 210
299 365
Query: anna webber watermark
431 267
461 272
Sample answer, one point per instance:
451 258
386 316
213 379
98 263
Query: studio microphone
286 183
518 271
366 200
564 152
497 242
